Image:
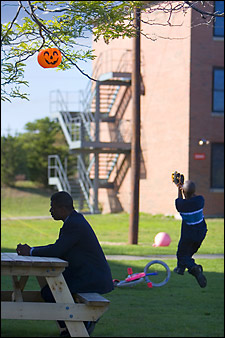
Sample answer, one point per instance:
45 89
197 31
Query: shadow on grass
45 192
178 309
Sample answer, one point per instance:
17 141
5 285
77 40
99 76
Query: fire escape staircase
101 159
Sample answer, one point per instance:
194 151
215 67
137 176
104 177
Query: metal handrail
58 172
88 94
73 124
85 182
84 173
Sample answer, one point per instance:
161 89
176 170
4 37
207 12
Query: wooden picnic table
29 305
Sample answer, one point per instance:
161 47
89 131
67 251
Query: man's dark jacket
88 270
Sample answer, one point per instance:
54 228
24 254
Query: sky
42 81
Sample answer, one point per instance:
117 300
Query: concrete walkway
160 257
13 218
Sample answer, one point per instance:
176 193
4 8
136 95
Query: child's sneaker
179 271
196 271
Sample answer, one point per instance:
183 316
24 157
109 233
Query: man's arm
180 191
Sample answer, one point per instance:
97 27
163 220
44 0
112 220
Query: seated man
88 270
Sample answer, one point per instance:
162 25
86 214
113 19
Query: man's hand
23 250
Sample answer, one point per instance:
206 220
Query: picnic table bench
29 305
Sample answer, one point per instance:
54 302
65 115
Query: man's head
61 205
189 189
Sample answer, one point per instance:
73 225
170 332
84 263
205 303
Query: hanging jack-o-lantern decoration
49 58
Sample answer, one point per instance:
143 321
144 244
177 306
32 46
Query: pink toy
158 271
135 276
162 239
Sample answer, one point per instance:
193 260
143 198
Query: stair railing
56 170
89 93
85 182
86 98
73 124
86 114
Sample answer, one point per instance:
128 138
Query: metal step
113 75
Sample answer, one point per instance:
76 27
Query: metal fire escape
96 133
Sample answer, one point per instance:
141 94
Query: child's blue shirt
191 210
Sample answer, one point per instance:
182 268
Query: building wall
165 113
206 53
170 113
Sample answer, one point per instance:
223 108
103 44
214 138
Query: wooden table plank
46 269
72 313
31 271
14 264
17 293
91 299
61 294
15 259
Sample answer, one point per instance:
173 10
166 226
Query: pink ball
162 239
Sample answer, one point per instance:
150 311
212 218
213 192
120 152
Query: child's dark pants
190 241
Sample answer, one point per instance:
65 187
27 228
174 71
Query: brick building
182 106
182 71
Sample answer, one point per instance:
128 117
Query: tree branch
111 19
12 23
50 34
203 13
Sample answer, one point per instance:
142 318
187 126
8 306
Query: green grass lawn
178 309
25 199
113 229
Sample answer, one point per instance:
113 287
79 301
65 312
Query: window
218 90
219 21
217 166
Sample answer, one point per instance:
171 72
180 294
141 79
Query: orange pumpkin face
49 58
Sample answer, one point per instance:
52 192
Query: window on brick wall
217 166
218 90
218 30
